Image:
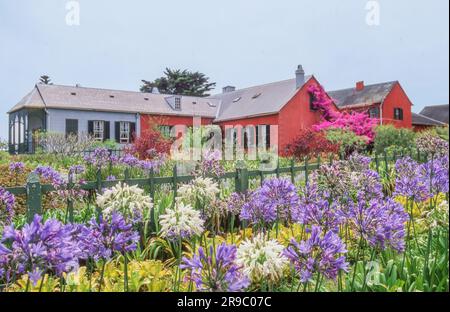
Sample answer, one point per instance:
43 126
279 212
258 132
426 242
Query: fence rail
34 189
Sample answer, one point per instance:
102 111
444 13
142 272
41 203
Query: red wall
296 115
166 120
397 98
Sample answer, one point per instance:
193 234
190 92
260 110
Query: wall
56 119
397 98
296 115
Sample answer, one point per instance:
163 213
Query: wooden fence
34 189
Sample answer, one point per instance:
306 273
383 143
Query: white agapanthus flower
180 221
262 259
200 191
130 201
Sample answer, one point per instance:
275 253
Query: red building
118 114
386 101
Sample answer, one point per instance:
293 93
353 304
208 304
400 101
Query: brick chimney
360 86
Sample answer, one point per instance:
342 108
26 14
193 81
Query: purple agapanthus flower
16 167
210 164
7 202
100 240
435 174
101 157
216 271
49 174
38 248
276 199
380 222
319 254
410 181
76 169
236 202
129 160
318 208
111 178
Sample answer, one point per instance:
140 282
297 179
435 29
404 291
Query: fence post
377 162
33 196
127 175
241 180
306 170
99 180
386 166
69 200
278 169
175 180
152 196
318 161
292 171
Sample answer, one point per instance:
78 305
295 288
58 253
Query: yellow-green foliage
143 276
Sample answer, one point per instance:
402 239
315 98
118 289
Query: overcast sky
237 42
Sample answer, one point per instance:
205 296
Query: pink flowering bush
359 123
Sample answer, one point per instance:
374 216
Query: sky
234 42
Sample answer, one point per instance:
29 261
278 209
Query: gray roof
371 94
259 100
81 98
418 119
436 112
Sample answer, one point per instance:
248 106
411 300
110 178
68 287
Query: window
374 112
71 127
99 130
263 132
312 107
398 114
178 103
124 132
165 130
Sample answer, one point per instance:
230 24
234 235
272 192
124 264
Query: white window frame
99 130
124 132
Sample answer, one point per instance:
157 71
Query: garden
344 210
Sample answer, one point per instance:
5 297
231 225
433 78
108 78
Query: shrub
430 142
310 143
150 144
391 139
62 144
358 122
347 140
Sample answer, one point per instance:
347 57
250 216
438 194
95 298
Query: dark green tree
45 80
182 82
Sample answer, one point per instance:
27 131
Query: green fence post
331 159
306 170
127 175
152 196
377 162
99 180
33 196
69 200
175 181
277 171
318 161
386 165
292 171
241 180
